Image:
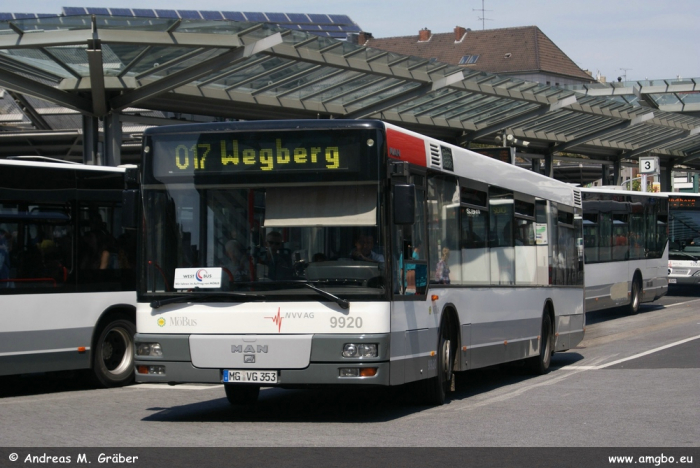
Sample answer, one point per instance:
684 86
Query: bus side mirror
404 204
130 208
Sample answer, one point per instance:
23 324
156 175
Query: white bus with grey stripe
325 252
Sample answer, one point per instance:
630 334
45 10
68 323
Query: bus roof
613 191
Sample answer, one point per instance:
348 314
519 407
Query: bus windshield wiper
196 297
343 303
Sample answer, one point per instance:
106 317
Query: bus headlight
367 350
148 349
349 350
360 350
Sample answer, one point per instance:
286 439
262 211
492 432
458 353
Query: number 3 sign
648 165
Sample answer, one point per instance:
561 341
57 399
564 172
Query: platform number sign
648 165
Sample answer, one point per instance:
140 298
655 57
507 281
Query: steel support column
113 140
549 162
91 136
606 179
666 175
617 176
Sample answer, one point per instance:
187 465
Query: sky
631 39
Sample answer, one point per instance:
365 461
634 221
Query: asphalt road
633 382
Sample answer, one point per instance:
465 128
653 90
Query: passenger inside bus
97 245
276 258
237 263
364 250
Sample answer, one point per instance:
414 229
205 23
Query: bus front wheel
634 295
435 389
241 394
113 356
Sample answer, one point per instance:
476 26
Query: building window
468 59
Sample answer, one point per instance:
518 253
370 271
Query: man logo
249 349
161 322
249 358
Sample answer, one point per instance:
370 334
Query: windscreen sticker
188 278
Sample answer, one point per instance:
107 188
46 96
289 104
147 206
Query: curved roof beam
21 85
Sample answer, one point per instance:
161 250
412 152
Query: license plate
672 280
250 376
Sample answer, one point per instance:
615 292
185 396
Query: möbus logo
182 322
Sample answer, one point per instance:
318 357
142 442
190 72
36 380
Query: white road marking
651 351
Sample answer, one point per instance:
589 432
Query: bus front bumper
326 365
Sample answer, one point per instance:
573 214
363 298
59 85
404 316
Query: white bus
67 287
625 248
684 239
308 252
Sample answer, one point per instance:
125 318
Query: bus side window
33 253
105 251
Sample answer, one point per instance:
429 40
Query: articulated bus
625 248
67 282
684 239
325 252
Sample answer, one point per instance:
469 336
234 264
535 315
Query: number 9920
346 322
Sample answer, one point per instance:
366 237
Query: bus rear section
311 253
67 283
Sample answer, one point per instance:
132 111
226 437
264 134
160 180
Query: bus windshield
264 241
684 226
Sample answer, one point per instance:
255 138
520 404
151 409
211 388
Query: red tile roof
502 51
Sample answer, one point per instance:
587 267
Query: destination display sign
257 152
680 201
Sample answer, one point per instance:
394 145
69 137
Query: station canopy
127 67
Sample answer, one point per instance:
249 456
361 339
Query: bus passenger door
411 317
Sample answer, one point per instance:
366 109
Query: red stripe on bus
406 147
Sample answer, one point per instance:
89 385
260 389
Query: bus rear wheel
113 355
539 365
241 394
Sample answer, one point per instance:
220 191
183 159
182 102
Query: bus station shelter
86 84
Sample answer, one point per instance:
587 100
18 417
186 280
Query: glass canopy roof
108 65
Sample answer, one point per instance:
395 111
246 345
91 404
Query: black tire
436 388
113 356
633 307
241 394
539 365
